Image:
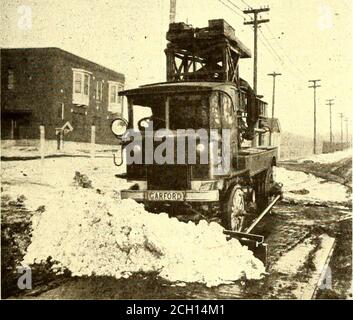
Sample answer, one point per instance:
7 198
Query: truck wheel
234 210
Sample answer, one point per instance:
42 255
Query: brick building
52 87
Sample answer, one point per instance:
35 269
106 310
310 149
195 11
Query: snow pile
318 189
328 157
91 234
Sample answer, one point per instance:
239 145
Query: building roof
64 54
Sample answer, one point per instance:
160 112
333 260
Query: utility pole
330 104
341 116
256 22
347 135
274 75
314 86
172 11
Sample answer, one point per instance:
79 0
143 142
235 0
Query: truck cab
199 148
182 111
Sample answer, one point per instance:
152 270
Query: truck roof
177 87
182 87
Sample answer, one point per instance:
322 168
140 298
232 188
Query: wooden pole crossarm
257 22
255 11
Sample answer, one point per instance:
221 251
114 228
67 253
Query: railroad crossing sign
65 129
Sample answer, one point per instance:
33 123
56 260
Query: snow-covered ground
328 157
31 149
92 231
306 187
42 181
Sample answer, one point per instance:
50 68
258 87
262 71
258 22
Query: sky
305 39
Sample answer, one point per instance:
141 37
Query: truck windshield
183 112
188 112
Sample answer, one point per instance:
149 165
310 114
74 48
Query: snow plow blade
254 242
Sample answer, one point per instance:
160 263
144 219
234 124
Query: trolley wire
245 3
272 48
284 52
234 9
277 57
231 8
238 8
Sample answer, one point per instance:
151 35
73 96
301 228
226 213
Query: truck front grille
168 177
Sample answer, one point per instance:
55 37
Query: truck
203 94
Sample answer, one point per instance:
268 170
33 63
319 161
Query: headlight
119 127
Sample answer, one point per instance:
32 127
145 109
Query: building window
78 82
10 79
99 90
81 87
115 102
86 85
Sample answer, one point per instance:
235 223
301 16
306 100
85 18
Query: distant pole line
274 75
330 104
341 116
314 86
347 134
